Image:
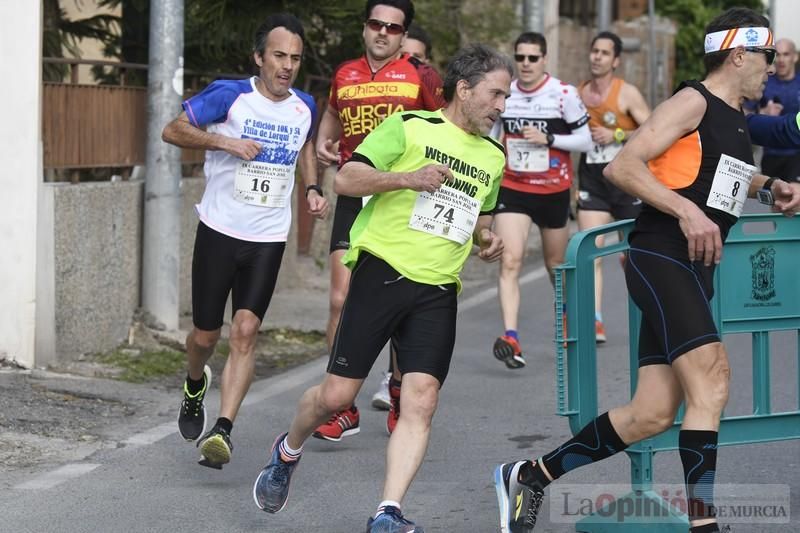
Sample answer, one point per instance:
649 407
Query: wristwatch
619 135
550 139
764 194
314 188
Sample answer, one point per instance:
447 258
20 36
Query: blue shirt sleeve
312 106
213 103
775 132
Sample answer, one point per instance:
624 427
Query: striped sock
288 454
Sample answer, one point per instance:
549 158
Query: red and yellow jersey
362 99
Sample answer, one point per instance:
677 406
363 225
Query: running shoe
215 448
507 349
599 332
381 400
519 504
394 412
341 424
271 489
192 416
391 521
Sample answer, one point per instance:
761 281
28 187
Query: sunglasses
519 58
771 53
391 27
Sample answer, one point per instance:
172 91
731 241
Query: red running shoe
394 410
341 424
599 332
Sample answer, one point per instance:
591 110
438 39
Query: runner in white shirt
544 120
255 132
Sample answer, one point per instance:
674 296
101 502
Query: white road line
151 435
279 384
57 476
490 293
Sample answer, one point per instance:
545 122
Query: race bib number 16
446 213
263 184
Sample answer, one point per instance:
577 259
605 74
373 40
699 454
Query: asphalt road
487 415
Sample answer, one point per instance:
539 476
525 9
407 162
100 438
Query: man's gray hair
471 64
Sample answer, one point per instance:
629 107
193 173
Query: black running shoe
215 447
192 416
519 504
507 349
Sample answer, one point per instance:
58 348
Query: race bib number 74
446 213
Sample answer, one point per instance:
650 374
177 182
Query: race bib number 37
263 184
730 186
446 213
524 156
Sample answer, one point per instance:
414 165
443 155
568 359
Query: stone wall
97 264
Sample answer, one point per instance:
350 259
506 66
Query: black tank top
688 167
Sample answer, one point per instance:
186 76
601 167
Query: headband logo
751 36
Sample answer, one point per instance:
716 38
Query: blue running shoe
391 521
519 504
271 489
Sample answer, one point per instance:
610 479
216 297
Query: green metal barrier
757 290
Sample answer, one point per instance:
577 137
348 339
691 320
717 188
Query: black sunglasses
391 27
519 58
771 53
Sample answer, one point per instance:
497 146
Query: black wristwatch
550 139
764 194
314 188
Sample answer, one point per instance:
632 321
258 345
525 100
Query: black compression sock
698 451
224 423
708 528
595 442
532 475
193 386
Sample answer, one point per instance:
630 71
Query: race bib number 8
263 184
524 156
602 153
730 186
446 213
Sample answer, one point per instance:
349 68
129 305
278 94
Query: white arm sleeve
577 118
580 140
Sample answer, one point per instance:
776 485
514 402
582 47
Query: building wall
20 176
787 13
575 42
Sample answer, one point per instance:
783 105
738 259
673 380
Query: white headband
727 39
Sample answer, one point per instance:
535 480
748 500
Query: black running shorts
223 264
347 209
420 319
545 210
596 193
674 297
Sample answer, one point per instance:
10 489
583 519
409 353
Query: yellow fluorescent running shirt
426 237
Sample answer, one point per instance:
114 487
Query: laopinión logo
763 276
751 503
